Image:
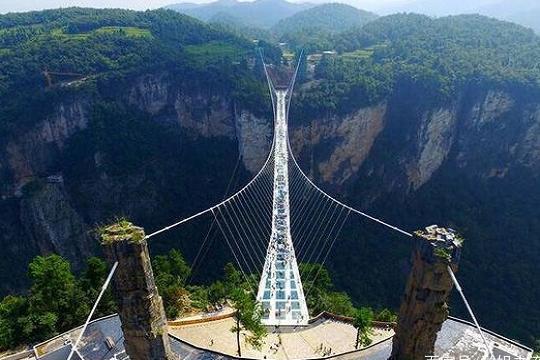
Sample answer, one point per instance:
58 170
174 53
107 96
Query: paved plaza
325 336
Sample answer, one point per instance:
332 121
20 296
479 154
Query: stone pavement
324 336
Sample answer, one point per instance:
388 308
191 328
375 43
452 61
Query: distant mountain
523 12
233 24
440 7
330 18
259 13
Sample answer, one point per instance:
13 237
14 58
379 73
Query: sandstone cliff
486 136
410 163
472 163
53 209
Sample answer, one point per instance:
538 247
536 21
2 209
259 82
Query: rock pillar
424 306
140 307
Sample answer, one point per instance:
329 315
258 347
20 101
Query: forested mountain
278 20
457 50
64 86
314 24
235 25
439 7
259 13
147 115
91 45
333 18
524 12
445 119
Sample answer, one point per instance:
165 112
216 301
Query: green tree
324 66
95 273
315 276
54 293
56 302
363 322
12 308
337 303
171 273
386 315
174 265
233 279
39 326
248 317
91 282
319 291
536 347
217 292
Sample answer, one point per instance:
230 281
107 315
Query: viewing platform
104 341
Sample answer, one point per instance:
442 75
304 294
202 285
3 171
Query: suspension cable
344 205
103 288
469 309
328 252
210 209
230 247
197 256
290 91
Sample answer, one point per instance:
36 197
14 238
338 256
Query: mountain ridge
523 12
331 17
261 13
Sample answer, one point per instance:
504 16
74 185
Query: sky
27 5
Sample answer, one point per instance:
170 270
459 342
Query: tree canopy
57 301
248 316
363 322
313 28
441 56
49 54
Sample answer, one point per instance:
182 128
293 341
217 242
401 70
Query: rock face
350 139
435 139
141 311
424 307
55 208
472 161
255 138
404 143
53 223
206 117
35 152
150 93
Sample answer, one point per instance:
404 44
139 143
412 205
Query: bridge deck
280 290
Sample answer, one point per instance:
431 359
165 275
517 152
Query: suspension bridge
279 219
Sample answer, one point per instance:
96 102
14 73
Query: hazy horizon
29 5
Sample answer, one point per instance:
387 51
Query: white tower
280 290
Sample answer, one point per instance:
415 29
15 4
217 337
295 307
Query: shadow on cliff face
156 155
471 163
